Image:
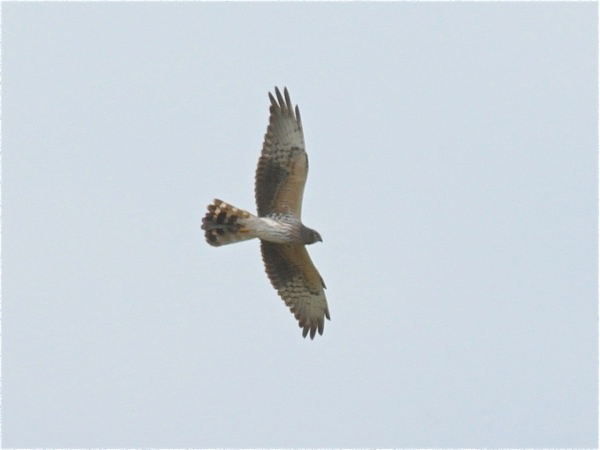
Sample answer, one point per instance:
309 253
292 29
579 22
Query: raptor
279 187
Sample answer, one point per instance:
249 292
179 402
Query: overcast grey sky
454 160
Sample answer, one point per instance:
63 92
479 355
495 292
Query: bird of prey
279 186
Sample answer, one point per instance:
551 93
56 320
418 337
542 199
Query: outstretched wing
299 284
283 164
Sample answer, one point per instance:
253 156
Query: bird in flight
279 186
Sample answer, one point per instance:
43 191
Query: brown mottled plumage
280 179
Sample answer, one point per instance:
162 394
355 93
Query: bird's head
310 236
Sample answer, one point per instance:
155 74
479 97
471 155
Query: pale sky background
454 161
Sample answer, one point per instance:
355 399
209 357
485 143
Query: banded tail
225 224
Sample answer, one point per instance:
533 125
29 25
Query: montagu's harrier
280 178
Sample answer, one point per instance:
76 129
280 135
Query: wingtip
279 98
288 101
312 329
284 103
278 92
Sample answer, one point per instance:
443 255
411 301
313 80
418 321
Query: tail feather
225 224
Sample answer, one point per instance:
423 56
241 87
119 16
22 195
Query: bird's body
225 224
280 179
